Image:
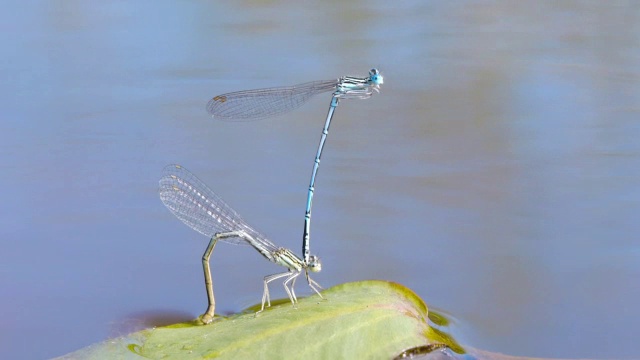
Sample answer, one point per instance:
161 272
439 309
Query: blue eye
375 77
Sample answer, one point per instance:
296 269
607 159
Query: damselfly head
375 77
314 264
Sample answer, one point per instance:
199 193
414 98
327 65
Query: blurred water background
497 174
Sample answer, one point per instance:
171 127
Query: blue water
497 174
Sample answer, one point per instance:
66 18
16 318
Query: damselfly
262 103
191 201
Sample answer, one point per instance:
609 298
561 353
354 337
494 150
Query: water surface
497 174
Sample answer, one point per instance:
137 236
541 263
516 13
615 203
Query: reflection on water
147 319
496 174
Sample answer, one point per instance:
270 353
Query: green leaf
367 319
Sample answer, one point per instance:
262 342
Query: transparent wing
191 201
263 103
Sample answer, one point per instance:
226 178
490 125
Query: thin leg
207 317
286 288
267 280
293 284
292 278
313 285
265 295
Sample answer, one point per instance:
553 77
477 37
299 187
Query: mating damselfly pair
200 208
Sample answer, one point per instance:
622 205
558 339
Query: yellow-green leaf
367 320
